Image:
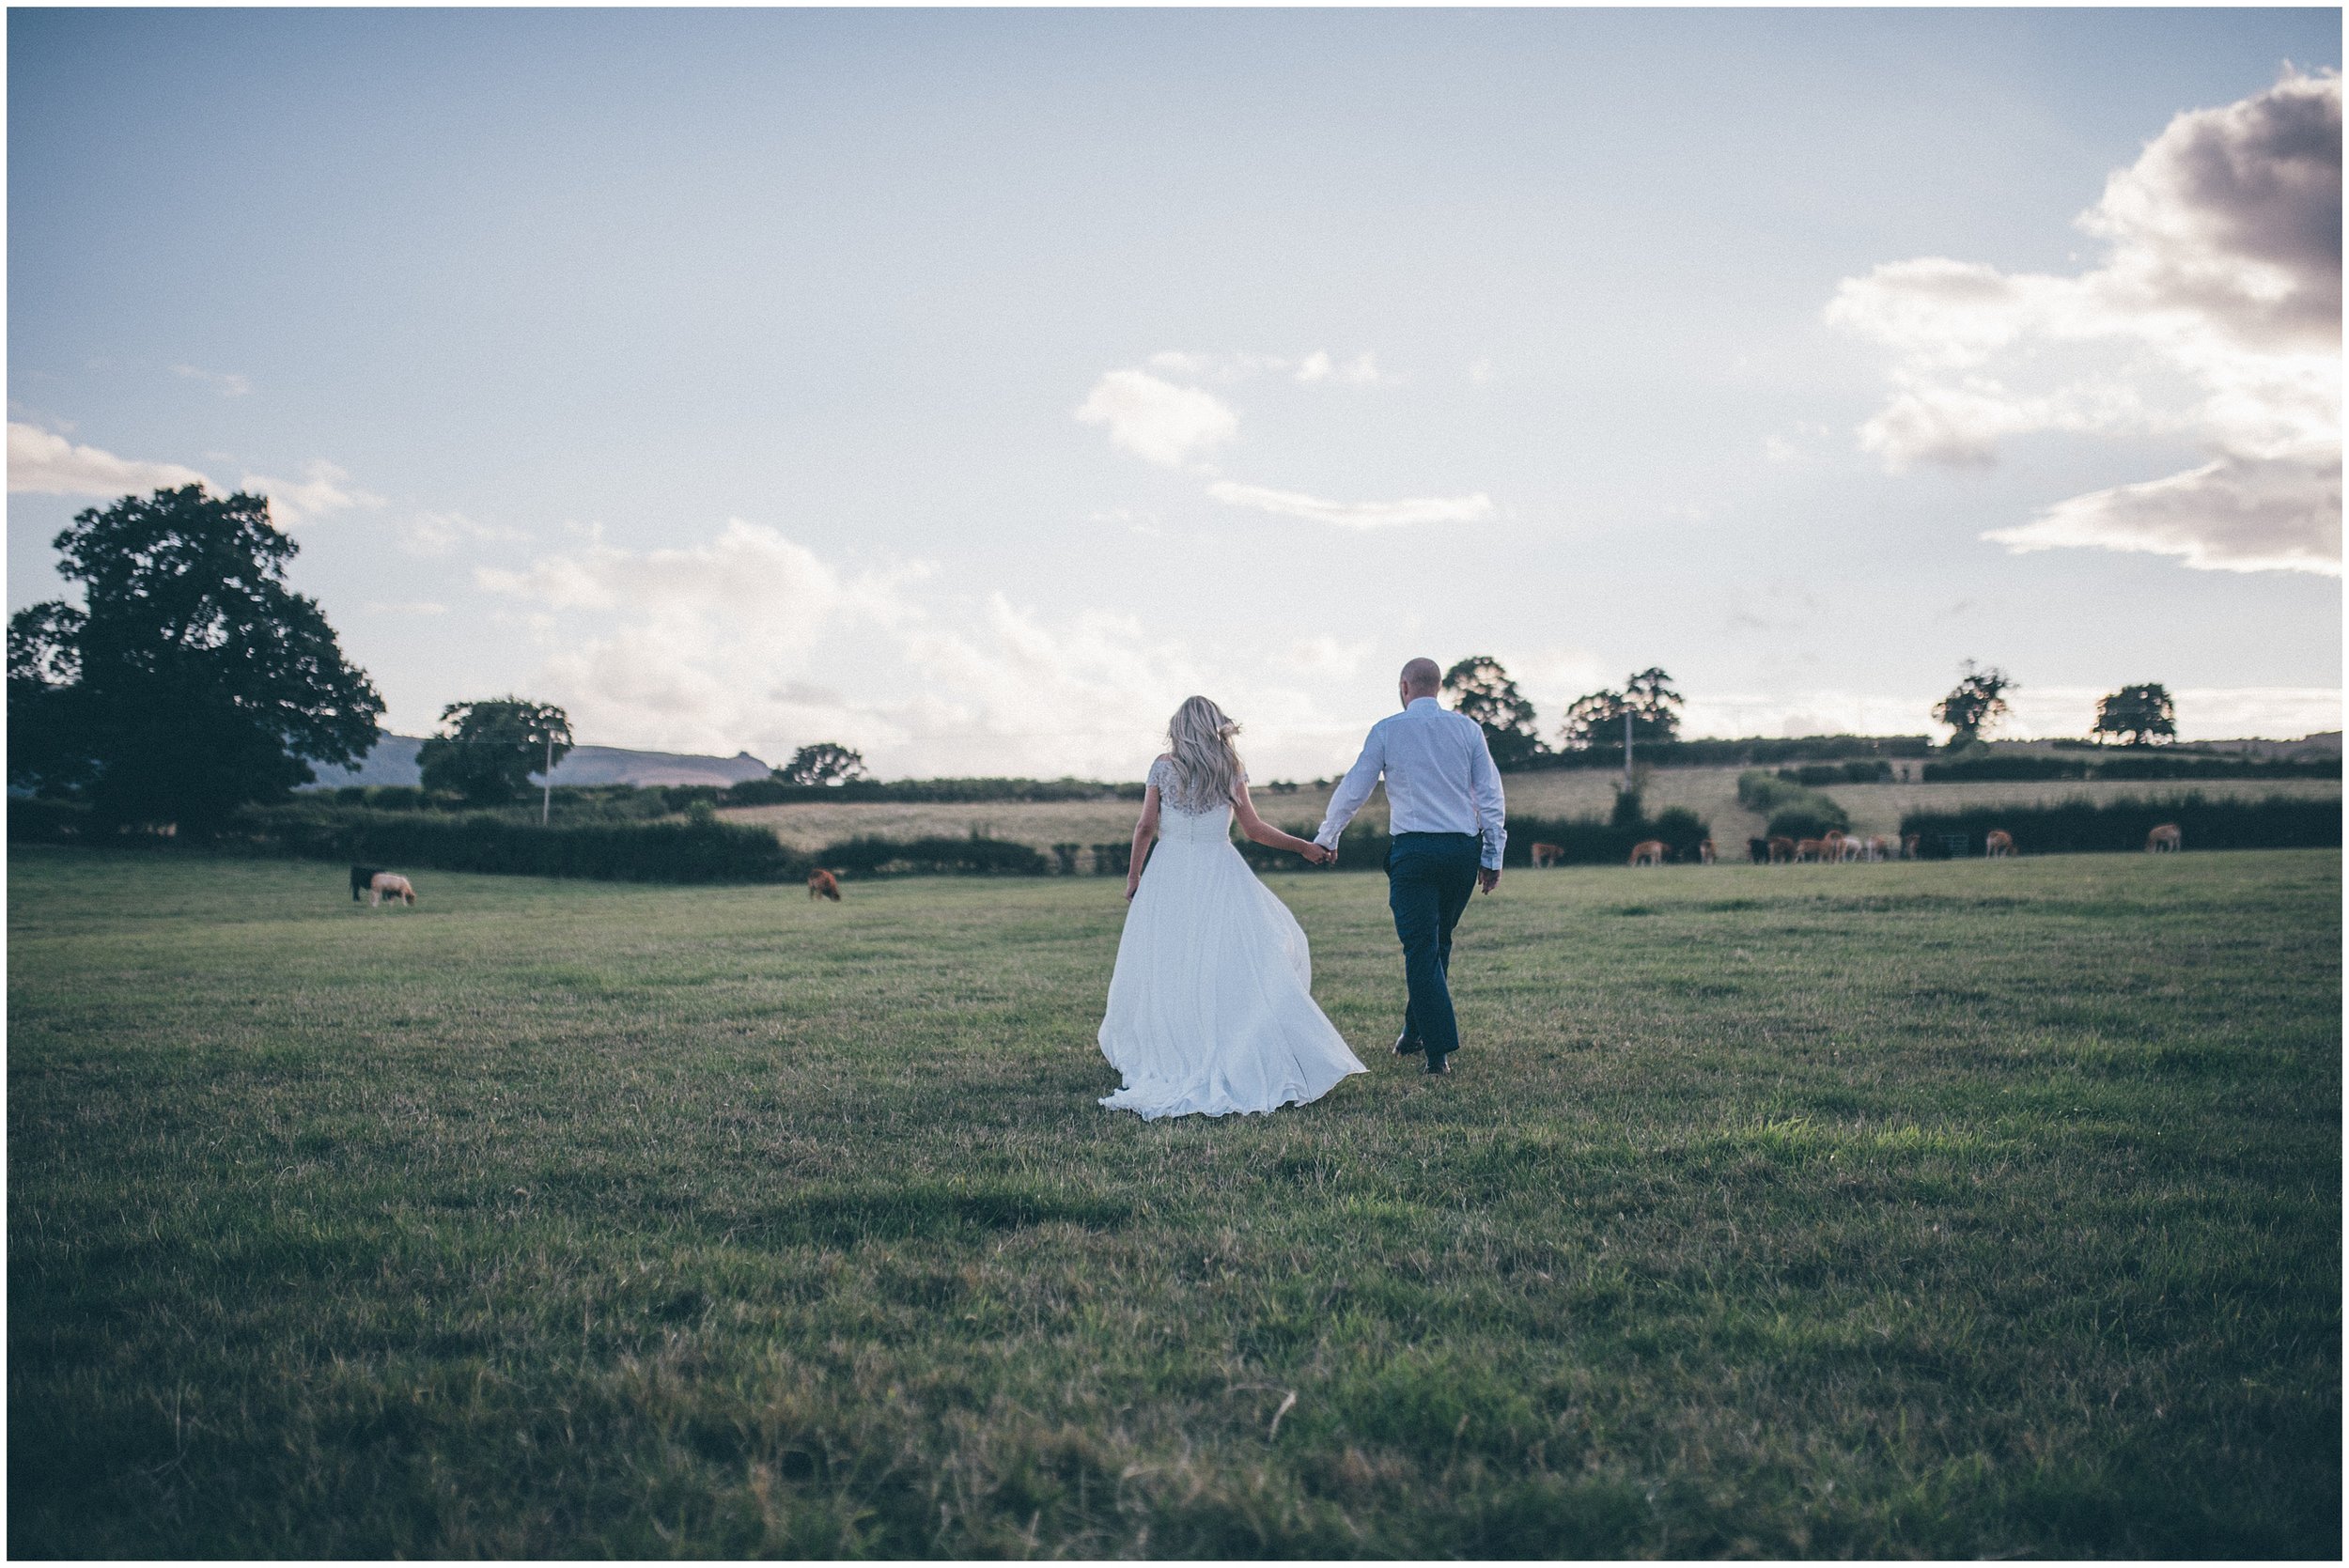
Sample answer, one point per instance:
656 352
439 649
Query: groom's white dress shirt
1441 779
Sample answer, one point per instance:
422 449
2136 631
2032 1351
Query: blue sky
972 386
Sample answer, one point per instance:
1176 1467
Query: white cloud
1480 373
751 640
45 464
1156 420
226 382
2214 317
408 607
2232 514
325 491
1356 514
443 532
1361 370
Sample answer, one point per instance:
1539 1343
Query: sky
969 387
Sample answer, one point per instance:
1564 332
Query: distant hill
393 762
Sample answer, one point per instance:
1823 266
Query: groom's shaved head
1422 676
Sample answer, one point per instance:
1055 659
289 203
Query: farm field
1710 792
1932 1209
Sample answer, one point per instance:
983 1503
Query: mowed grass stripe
1945 1209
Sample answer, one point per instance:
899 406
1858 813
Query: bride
1211 1006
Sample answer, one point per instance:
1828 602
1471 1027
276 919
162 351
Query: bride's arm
1261 831
1145 834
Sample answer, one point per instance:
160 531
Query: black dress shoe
1405 1046
1438 1062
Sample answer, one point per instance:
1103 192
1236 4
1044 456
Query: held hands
1315 855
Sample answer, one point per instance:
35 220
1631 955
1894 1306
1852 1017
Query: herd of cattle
376 884
1836 847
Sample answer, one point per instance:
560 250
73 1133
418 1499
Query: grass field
1947 1209
1710 792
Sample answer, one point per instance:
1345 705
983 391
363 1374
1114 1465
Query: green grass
1947 1209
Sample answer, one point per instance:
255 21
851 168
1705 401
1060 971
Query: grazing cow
2165 840
1704 853
1881 847
823 884
1782 851
1912 846
1547 854
1851 848
1648 852
1999 845
384 884
1831 845
1758 851
1807 849
361 875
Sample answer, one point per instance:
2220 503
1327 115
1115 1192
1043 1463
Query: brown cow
1704 853
1910 845
1807 849
1547 854
386 884
823 884
1831 845
1782 851
1999 845
2165 839
1648 852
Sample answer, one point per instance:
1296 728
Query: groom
1445 812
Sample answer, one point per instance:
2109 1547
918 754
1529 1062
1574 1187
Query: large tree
1654 705
1976 703
1481 690
2138 715
488 749
190 680
1596 719
826 762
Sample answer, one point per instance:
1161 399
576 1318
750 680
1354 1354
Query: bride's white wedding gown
1211 1006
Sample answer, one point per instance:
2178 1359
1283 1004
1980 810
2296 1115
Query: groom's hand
1489 877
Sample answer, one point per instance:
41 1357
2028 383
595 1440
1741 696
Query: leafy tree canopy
488 749
190 680
1647 698
2138 715
1480 689
1976 703
823 763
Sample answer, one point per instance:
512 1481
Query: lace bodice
1175 821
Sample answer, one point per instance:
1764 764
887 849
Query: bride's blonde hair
1206 769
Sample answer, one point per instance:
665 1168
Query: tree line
191 680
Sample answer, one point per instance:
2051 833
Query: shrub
2079 827
1812 774
685 852
1808 819
1795 811
937 856
1680 829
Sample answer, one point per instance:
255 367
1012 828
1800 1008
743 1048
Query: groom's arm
1353 790
1492 811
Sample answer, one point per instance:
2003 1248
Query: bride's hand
1132 883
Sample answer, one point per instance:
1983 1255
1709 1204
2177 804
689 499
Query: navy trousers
1430 880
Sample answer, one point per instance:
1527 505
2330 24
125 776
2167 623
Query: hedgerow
2085 827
